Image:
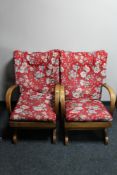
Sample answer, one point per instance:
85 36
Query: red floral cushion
34 106
82 73
38 71
86 110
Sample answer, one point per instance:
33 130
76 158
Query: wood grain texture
112 97
57 98
62 100
8 97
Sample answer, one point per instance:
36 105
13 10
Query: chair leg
14 137
54 136
66 141
106 138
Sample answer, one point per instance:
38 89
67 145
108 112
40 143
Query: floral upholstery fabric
86 110
37 74
82 73
38 71
34 106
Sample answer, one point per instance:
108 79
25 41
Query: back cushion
38 71
82 73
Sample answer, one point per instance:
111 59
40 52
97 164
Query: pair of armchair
72 79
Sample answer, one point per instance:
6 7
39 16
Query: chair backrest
38 71
83 73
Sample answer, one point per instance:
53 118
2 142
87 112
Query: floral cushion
82 73
38 71
86 110
34 106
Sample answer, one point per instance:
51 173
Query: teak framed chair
82 76
37 75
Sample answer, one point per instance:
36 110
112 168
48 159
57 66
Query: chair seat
34 106
86 110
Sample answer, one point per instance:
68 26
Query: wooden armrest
8 96
57 95
112 97
62 100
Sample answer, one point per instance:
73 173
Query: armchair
82 79
37 75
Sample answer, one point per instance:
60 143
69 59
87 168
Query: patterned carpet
35 155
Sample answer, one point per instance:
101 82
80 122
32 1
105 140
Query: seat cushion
34 106
83 73
38 71
86 110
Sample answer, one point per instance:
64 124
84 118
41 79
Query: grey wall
76 25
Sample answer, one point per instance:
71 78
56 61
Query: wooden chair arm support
8 96
112 97
62 100
57 95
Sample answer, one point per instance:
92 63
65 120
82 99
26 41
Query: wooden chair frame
31 124
87 125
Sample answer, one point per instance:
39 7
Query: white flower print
39 74
24 107
83 74
97 63
75 67
62 69
103 73
76 109
41 68
49 97
86 68
56 62
96 69
45 89
91 111
48 81
40 107
50 66
53 60
104 65
48 72
17 62
66 92
55 54
82 82
77 93
28 57
16 116
44 58
23 68
95 95
36 97
18 110
88 91
84 100
31 68
83 117
72 74
81 59
38 117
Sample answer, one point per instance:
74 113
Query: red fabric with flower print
86 110
82 73
34 106
36 74
38 71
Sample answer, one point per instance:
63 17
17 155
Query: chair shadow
86 136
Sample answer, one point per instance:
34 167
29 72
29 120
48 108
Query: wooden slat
86 125
41 125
